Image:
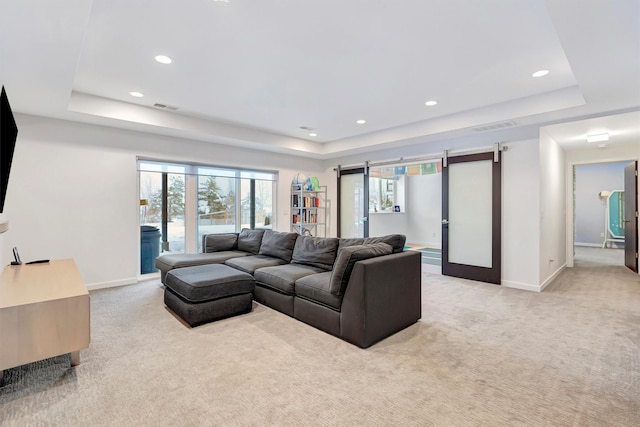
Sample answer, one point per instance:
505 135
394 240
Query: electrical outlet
601 234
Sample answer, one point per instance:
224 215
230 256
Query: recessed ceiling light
313 134
598 137
430 103
361 121
540 73
163 59
136 94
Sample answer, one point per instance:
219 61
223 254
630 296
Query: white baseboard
552 277
113 284
521 286
530 287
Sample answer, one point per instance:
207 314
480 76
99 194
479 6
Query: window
386 190
188 201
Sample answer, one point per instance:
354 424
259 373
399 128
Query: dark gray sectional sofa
360 290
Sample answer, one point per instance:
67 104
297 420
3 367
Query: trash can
149 248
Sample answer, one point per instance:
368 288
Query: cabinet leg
75 358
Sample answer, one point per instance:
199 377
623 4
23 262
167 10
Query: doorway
600 196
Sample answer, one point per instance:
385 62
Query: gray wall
589 210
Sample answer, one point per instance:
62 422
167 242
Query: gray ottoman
168 262
205 293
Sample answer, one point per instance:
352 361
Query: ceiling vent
165 107
496 126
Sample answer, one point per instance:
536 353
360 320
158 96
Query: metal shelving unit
308 211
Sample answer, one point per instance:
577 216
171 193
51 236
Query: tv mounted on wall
8 135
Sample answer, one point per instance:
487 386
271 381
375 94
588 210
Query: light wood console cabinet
44 312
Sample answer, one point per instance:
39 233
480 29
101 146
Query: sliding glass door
162 204
353 206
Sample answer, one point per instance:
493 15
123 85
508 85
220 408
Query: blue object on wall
616 214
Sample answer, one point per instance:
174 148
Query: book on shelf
311 202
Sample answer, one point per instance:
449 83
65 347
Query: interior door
353 205
471 212
631 216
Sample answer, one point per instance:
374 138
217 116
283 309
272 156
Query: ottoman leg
203 312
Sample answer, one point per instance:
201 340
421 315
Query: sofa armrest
383 296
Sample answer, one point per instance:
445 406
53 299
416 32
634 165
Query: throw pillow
395 240
315 251
278 244
351 241
347 257
250 240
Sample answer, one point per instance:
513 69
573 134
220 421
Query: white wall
381 224
74 201
521 215
552 209
73 192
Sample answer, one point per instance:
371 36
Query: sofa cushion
209 282
250 240
253 262
283 277
316 288
351 241
171 261
396 241
346 259
219 242
315 251
278 244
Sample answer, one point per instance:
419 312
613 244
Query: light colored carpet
481 355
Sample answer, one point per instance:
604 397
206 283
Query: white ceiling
253 72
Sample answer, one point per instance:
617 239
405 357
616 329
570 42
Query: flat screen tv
8 135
